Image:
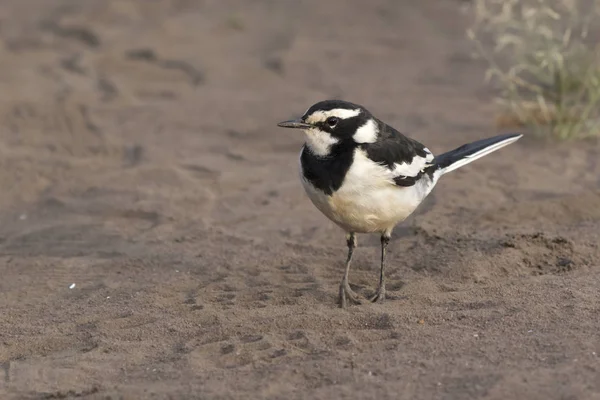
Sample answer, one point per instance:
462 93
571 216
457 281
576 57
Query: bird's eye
332 121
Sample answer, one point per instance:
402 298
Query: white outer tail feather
483 152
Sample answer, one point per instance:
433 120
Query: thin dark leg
380 294
345 291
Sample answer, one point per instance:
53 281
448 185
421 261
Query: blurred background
155 240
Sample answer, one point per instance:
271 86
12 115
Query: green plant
546 61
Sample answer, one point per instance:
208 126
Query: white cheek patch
367 133
319 142
342 113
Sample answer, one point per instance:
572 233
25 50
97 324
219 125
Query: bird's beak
294 123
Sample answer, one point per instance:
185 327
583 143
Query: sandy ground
140 161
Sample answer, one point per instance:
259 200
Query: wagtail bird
367 177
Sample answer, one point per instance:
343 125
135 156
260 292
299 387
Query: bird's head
334 122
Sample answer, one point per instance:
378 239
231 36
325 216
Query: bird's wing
404 157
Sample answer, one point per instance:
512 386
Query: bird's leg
345 291
380 294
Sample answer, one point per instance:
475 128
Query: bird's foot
379 296
346 293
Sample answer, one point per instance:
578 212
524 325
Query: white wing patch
413 168
367 133
429 155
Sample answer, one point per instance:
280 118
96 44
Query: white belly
369 200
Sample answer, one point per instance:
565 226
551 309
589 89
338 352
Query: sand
155 241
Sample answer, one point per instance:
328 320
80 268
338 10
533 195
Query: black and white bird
367 177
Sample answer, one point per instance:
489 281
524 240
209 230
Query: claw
346 293
379 297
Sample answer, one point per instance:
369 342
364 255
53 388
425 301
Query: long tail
472 151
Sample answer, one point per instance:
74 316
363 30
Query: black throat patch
327 173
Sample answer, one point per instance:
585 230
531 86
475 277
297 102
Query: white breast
369 200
